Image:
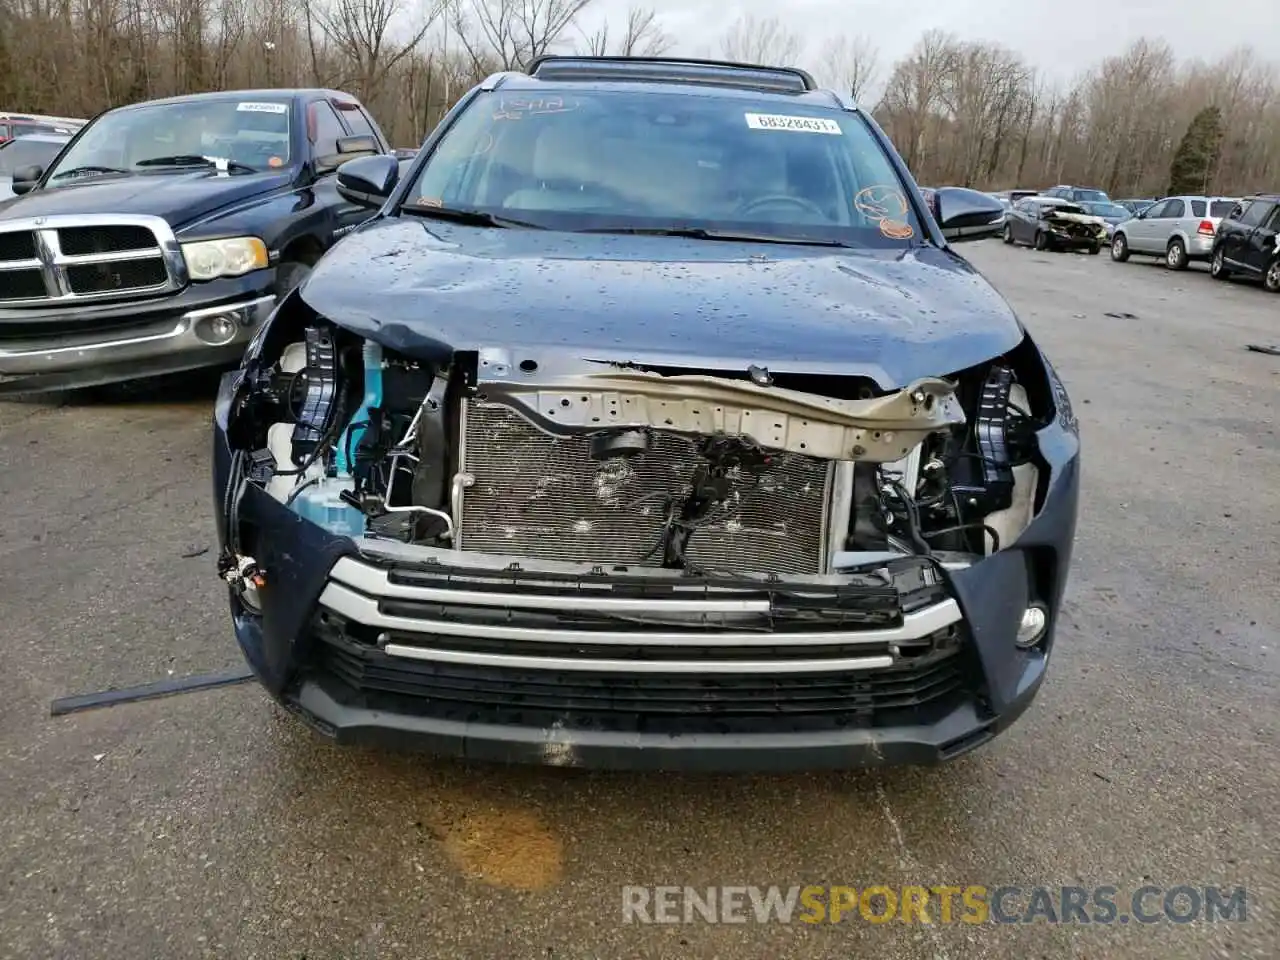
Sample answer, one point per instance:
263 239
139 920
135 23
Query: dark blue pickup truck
163 234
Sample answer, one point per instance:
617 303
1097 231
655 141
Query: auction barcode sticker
263 107
775 121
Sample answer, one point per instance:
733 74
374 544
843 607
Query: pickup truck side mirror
25 178
965 214
348 149
368 181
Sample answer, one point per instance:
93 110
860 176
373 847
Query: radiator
536 495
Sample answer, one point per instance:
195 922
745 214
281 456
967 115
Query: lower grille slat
538 495
612 701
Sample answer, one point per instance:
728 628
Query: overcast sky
1063 38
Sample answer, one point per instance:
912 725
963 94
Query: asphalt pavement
213 825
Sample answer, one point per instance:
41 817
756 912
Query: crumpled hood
428 287
181 198
1085 218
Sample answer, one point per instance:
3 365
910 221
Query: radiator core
540 496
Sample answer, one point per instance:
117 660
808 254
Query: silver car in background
1178 230
34 148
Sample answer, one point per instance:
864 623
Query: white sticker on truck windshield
263 107
775 121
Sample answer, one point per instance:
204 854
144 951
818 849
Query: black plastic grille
917 692
20 245
21 285
120 275
79 241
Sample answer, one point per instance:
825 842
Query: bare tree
911 97
852 63
643 37
512 33
765 41
359 30
958 111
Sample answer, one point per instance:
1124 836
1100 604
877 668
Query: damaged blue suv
650 421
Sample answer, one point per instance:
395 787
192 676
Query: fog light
217 329
1034 620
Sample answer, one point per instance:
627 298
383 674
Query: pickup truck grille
48 260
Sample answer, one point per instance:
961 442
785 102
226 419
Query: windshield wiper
89 168
477 218
702 233
192 160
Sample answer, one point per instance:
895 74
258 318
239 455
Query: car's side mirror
25 178
368 181
349 148
965 214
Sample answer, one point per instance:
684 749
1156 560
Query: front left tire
1271 280
1218 266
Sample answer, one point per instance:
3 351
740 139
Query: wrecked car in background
651 422
1050 223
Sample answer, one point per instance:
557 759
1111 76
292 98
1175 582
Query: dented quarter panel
892 315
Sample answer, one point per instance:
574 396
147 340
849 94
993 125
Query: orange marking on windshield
897 229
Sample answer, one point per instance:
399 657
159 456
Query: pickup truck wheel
1272 280
1218 266
288 276
1119 248
1176 255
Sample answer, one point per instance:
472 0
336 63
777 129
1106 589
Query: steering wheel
808 206
597 197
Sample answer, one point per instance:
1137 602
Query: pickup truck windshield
252 134
640 161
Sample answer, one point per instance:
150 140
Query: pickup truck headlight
233 257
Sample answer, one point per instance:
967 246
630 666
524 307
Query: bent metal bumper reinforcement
709 646
879 429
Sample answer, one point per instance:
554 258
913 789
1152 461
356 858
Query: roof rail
722 73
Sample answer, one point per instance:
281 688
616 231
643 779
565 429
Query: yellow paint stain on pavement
508 848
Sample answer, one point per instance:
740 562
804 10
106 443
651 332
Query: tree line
961 112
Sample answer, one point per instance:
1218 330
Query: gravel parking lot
213 825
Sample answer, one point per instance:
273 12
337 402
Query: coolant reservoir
320 503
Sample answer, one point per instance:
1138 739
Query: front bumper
88 345
376 642
1065 241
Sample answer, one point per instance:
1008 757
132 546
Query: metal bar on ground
148 691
